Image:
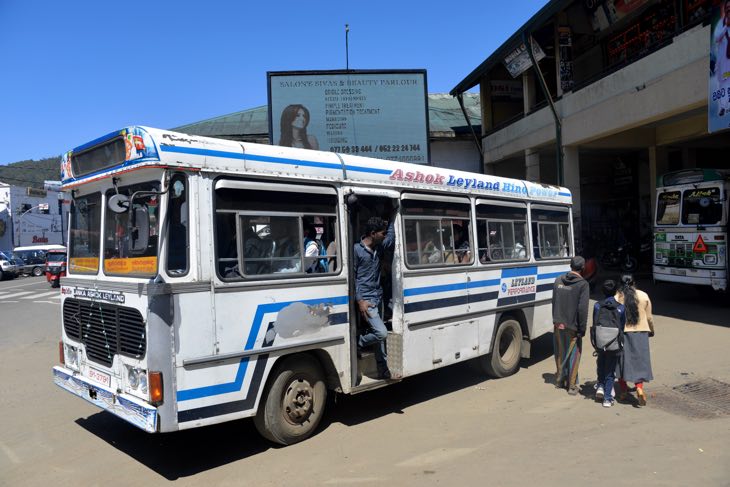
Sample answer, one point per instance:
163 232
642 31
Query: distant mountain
31 173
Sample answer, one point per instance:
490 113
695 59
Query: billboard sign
381 114
718 91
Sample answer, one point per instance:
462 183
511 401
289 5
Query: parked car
55 266
34 260
8 267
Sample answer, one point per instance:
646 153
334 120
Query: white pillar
532 165
657 166
571 175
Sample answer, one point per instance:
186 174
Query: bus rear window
667 208
701 206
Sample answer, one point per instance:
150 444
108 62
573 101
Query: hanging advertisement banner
518 61
381 114
718 91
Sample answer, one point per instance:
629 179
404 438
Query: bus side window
551 232
436 233
501 231
264 234
177 237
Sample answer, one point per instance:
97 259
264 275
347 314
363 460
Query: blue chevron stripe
237 384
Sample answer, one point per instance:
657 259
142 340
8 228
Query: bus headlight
710 259
71 355
136 380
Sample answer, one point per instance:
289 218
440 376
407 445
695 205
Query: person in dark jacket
570 319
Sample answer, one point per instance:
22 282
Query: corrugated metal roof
444 112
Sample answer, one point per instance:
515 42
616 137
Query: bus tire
294 402
504 360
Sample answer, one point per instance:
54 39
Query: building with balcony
620 96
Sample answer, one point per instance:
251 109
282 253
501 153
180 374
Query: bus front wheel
505 357
294 402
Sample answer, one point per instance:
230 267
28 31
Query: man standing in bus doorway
369 291
570 318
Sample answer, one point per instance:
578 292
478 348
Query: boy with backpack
609 318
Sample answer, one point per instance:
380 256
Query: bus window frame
522 206
99 250
679 210
132 253
186 181
443 263
248 185
538 224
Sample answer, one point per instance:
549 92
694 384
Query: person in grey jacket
570 319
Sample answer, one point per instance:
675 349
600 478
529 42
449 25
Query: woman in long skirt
635 363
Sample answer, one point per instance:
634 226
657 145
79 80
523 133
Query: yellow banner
84 265
132 265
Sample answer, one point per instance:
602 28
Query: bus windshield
84 236
129 249
667 208
701 206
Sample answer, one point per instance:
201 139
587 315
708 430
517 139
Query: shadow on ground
692 303
187 453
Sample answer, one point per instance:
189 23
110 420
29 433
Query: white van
34 257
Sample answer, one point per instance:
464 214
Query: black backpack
606 334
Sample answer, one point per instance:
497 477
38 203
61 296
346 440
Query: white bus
179 310
690 232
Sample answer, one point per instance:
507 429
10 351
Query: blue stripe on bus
417 291
565 194
235 386
519 271
551 275
269 159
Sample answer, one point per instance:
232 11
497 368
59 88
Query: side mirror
139 230
118 203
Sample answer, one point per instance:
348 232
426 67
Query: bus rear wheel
294 402
505 357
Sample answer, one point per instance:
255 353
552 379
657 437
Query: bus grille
105 329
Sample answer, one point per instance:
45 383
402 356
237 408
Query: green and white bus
690 232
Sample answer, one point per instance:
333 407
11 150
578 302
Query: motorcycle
624 257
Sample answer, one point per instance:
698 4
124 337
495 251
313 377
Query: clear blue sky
75 70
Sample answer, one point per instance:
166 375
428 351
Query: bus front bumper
717 278
127 407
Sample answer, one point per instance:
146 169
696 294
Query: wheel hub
298 401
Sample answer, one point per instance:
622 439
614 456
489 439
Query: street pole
20 221
347 47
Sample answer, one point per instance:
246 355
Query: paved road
448 427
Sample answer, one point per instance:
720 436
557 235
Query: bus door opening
361 208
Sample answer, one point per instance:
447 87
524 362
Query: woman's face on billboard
300 121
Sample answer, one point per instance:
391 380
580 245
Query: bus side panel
432 305
251 321
542 322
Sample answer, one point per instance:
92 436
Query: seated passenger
314 259
285 251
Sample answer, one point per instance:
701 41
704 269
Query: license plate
678 272
100 377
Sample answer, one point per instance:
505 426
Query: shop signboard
381 114
518 61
